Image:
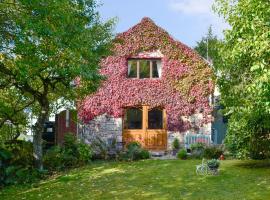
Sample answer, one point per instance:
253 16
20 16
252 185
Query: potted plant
213 166
176 146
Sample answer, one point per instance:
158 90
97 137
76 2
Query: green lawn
152 179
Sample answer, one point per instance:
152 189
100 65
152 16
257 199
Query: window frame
150 67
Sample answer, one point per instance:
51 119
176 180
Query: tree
13 118
245 75
46 45
208 47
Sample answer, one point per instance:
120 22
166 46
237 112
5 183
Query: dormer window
144 68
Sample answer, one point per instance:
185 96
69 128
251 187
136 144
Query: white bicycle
203 168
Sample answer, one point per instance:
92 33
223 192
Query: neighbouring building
156 89
65 122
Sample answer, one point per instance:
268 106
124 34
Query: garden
151 179
50 58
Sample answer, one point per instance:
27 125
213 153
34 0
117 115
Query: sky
186 20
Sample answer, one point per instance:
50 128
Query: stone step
157 153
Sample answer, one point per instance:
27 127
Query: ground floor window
133 118
155 118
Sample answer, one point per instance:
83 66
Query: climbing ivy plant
183 89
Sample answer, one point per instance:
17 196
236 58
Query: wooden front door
146 126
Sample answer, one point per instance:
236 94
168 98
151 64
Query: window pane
156 69
132 69
144 69
155 119
133 118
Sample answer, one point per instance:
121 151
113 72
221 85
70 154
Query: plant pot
214 170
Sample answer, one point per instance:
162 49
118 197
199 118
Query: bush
73 153
134 152
16 163
182 154
100 149
85 153
52 159
176 144
212 152
197 149
198 146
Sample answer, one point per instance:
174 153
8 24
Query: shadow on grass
251 164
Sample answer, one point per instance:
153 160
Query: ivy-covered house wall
183 89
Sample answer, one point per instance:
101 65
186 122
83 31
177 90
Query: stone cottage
156 89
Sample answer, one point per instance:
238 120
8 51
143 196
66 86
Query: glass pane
132 69
155 119
144 69
155 73
133 118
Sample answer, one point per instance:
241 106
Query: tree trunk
37 140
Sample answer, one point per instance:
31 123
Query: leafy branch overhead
45 46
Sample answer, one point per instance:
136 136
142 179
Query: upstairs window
144 68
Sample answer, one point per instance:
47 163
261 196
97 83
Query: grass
151 179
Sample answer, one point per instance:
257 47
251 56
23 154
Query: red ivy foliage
183 89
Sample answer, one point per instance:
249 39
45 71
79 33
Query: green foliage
246 137
16 163
176 144
197 149
208 47
211 152
48 47
53 159
135 152
182 154
197 146
213 164
244 79
72 154
100 148
84 152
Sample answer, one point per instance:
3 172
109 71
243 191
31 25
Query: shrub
84 152
73 153
197 149
144 154
197 146
176 144
212 152
52 158
100 149
135 152
213 163
16 163
182 154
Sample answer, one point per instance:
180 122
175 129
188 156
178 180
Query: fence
196 138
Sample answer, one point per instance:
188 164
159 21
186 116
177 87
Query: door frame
143 135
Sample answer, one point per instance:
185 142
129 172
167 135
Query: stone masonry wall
104 127
109 128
